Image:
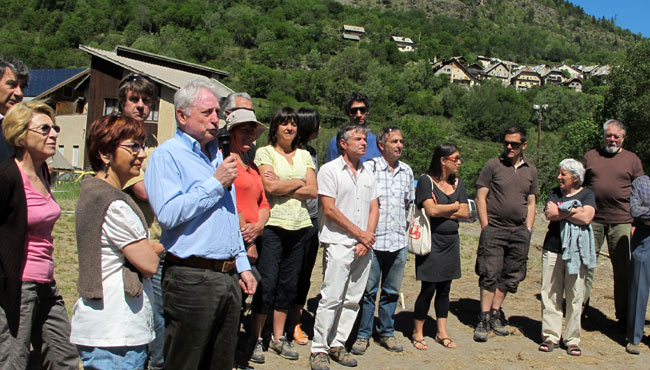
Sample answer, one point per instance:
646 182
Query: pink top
42 213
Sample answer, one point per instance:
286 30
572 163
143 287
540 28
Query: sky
629 14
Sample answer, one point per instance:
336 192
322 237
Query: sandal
573 350
446 342
420 344
547 346
300 336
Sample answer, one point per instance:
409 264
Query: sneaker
319 361
390 343
343 357
498 322
632 349
258 353
360 345
482 328
283 348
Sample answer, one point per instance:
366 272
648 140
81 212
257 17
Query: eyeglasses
513 144
355 110
613 136
45 129
134 148
455 159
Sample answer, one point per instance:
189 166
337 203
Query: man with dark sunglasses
14 77
609 173
505 200
357 108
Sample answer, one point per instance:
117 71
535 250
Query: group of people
172 241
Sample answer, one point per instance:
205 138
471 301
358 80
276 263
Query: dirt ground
602 344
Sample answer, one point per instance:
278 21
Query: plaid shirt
395 192
640 198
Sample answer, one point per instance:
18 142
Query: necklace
241 161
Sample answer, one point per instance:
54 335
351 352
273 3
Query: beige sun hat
240 116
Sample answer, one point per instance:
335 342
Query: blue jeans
639 274
113 358
390 267
156 348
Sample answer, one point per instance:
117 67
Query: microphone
224 142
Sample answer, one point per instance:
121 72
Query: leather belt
202 263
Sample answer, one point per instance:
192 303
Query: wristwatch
530 229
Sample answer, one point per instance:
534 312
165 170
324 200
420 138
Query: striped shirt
395 192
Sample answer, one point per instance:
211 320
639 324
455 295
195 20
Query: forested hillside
292 53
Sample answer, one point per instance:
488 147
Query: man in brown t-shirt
609 174
506 209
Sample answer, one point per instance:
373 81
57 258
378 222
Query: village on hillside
520 76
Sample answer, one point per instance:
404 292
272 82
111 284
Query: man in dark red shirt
609 174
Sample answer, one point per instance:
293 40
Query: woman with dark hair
444 199
112 322
32 311
289 180
308 127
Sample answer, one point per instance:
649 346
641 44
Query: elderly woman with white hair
568 253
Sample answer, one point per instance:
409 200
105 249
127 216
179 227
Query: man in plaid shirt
640 266
395 185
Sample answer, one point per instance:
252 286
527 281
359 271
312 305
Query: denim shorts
113 358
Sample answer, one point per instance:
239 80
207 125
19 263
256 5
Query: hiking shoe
360 345
632 349
498 322
283 348
482 328
319 361
390 343
258 353
343 357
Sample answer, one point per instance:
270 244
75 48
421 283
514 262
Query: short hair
140 84
283 115
516 130
614 122
308 123
441 151
229 103
17 67
355 96
16 122
105 135
575 168
383 134
344 133
185 96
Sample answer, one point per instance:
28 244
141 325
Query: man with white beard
609 174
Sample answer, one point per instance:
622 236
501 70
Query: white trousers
556 285
344 280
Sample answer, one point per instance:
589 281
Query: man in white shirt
349 200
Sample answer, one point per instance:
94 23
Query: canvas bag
419 235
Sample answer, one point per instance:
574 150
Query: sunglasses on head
134 148
355 110
513 144
45 129
134 77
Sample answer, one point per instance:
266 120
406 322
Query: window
67 91
62 149
110 106
75 156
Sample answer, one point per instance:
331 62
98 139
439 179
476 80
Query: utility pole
539 109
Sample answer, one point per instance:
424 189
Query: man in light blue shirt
357 107
188 182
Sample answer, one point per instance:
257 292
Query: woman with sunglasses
32 311
112 322
444 199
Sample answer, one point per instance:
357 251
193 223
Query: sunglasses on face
355 110
134 148
45 129
513 144
455 159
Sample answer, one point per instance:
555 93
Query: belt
202 263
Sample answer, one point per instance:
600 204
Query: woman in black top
444 199
557 281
